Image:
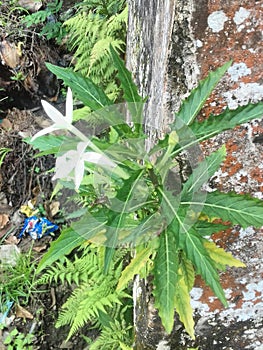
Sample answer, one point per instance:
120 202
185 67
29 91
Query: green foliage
85 89
17 282
193 104
3 153
94 299
166 278
166 226
96 26
51 27
117 335
19 341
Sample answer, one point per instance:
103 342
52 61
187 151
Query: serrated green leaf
67 241
220 256
195 251
108 257
205 228
225 121
84 88
183 304
203 172
165 279
129 88
193 104
238 209
48 144
128 197
187 271
134 267
84 229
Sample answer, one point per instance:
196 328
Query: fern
86 301
91 33
94 297
116 336
76 271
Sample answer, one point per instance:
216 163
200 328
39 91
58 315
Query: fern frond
90 36
116 336
75 271
117 23
85 303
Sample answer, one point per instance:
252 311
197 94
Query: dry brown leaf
4 231
31 5
40 248
4 218
9 54
54 208
23 313
6 124
36 191
12 240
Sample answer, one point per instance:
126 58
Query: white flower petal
65 164
55 115
79 173
44 132
99 159
69 106
81 147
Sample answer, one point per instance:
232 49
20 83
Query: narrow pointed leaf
193 104
220 256
48 144
84 88
183 304
165 279
188 272
84 229
134 267
203 172
67 241
129 88
109 254
238 209
225 121
129 196
205 228
195 251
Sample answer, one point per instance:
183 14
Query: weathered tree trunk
161 54
171 44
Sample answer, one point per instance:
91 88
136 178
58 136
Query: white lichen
238 70
241 15
246 93
216 21
198 43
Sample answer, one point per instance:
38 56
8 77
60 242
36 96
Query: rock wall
172 44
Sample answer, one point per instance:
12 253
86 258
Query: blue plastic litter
37 227
7 307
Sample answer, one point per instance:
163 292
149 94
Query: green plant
18 76
11 17
19 341
17 282
3 153
96 26
51 27
145 200
94 299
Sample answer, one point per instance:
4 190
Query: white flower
74 161
60 121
